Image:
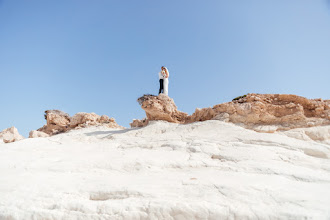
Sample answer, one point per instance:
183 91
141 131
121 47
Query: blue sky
100 56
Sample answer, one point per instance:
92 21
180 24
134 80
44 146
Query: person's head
163 67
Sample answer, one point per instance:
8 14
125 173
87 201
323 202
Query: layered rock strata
261 112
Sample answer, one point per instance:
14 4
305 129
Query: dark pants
161 86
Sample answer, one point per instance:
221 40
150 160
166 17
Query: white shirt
162 74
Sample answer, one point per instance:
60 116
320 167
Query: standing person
161 75
166 75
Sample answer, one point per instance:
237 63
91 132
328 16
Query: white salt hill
202 170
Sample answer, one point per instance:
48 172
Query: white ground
206 170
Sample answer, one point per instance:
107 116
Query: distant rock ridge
260 112
59 122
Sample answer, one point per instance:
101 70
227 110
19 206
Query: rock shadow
110 132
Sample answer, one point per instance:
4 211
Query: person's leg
161 86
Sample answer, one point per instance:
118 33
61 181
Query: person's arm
167 74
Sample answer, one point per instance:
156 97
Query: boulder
37 134
10 135
161 107
57 122
139 123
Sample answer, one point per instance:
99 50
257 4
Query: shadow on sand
110 132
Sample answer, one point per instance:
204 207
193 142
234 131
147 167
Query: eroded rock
161 107
139 123
261 112
83 119
270 112
37 134
10 135
59 122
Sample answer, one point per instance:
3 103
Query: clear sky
100 56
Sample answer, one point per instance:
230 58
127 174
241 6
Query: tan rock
37 134
82 118
161 108
261 112
258 111
10 135
57 122
139 123
105 119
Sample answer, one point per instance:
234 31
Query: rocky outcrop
161 107
270 112
37 134
137 123
261 112
59 122
83 119
10 135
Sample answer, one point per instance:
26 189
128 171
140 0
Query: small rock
37 134
11 135
139 123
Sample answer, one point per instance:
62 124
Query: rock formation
139 123
270 112
261 112
83 119
10 135
59 122
37 134
161 107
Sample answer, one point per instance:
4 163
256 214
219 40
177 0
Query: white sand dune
205 170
